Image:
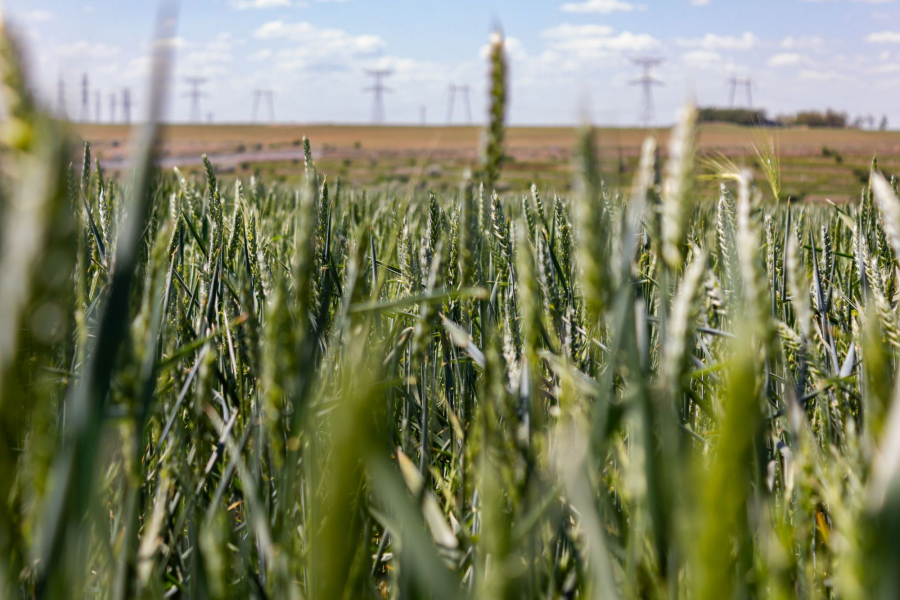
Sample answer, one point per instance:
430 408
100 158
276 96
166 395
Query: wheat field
221 387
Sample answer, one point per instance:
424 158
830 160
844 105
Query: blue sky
566 56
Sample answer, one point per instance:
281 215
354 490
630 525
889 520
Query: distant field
816 163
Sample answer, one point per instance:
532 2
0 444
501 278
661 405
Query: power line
452 96
647 81
264 95
126 105
744 82
195 94
61 99
378 89
85 100
464 91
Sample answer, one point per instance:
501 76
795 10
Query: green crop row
241 389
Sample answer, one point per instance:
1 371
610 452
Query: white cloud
785 59
822 76
38 15
208 56
408 70
885 69
699 2
601 7
85 49
566 31
262 4
593 41
712 41
513 47
247 4
804 41
702 58
316 48
138 69
884 37
623 42
326 39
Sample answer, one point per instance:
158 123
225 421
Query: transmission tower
126 105
269 97
195 94
647 81
451 91
98 99
61 99
744 82
423 115
378 89
85 100
112 107
464 91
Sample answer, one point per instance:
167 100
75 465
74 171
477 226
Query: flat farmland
816 164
